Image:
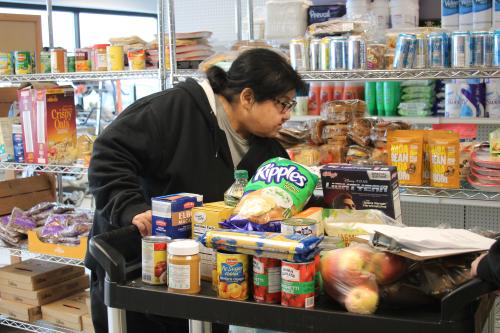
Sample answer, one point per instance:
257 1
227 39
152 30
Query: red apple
387 267
362 299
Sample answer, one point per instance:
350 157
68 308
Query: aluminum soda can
420 52
461 50
299 54
438 50
482 46
405 51
496 48
324 51
314 54
356 53
338 53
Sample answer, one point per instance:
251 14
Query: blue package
318 14
172 215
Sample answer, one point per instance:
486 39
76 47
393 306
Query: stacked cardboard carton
69 312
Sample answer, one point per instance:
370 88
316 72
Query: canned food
299 54
482 48
460 50
496 48
232 275
420 52
356 53
438 50
115 57
100 58
315 54
45 60
338 53
298 226
58 60
267 280
154 259
71 63
82 60
318 280
23 62
136 59
5 63
297 284
405 51
18 143
324 51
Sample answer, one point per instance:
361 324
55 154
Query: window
63 24
99 28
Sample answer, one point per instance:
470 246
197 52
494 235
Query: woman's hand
143 222
475 263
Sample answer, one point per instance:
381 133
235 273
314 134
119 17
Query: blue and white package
465 15
318 14
492 98
481 14
172 215
449 14
496 15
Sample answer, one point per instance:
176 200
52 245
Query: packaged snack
260 241
375 56
333 131
444 157
279 189
20 222
317 132
356 153
332 153
405 149
495 142
306 155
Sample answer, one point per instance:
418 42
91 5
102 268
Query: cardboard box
7 97
203 219
172 215
26 192
46 295
362 187
35 245
87 325
66 312
36 274
20 311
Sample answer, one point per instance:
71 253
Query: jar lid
184 248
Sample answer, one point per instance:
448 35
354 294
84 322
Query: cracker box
172 215
203 219
362 187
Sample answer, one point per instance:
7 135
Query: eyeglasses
287 105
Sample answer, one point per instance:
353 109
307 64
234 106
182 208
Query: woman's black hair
266 72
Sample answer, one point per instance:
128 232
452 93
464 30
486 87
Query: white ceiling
142 6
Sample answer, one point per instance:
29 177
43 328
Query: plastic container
338 90
314 103
484 171
371 98
485 179
481 14
465 15
392 94
234 193
479 185
379 89
496 15
292 20
449 14
404 14
483 159
380 8
492 98
184 267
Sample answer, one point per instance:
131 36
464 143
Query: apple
347 266
362 299
387 267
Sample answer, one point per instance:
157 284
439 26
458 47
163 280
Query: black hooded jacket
166 143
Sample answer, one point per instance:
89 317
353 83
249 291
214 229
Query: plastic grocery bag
279 189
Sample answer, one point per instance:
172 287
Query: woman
487 265
186 139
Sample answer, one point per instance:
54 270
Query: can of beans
266 280
154 259
297 284
23 62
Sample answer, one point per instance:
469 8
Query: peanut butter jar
184 267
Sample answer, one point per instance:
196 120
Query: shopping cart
463 310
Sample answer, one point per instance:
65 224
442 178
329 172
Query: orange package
405 152
444 154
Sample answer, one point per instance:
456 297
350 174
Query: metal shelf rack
23 252
37 327
461 197
399 75
57 169
443 120
82 76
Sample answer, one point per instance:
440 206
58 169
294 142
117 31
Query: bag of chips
405 151
279 189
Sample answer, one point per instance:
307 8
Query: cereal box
172 215
203 219
56 125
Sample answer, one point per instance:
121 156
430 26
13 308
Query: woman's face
266 118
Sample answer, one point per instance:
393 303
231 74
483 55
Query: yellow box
37 246
203 219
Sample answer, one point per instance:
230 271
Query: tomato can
83 61
267 280
5 64
115 57
23 62
154 259
318 280
58 60
232 275
136 59
297 284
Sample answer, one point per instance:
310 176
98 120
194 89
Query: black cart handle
464 295
118 252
